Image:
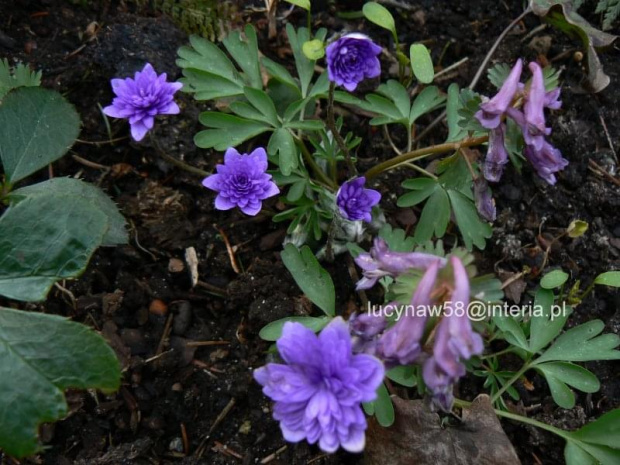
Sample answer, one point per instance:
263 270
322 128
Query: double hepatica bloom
354 202
351 59
142 98
545 158
242 181
318 392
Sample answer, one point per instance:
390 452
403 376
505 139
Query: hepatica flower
354 202
545 158
141 99
242 181
351 59
381 261
319 391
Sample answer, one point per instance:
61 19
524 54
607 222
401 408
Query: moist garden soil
184 403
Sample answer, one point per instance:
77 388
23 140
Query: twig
207 343
609 141
452 67
271 457
224 449
598 169
185 439
90 164
166 333
331 124
101 142
213 289
229 249
222 415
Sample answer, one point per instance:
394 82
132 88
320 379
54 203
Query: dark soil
140 295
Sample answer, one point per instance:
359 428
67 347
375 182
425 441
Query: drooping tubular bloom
355 202
319 391
381 261
142 98
455 341
242 181
491 111
351 59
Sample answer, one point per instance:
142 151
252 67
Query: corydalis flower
491 111
351 59
354 202
455 341
141 99
318 393
242 182
381 261
546 161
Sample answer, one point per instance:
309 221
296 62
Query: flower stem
433 149
331 124
520 418
309 159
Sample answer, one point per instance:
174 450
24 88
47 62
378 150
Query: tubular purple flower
319 391
354 202
365 328
490 112
381 261
534 127
497 156
455 341
400 345
242 181
546 161
552 99
351 59
484 200
141 99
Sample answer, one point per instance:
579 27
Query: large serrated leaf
116 233
41 356
45 239
20 76
37 127
310 276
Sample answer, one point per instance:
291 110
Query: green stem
522 419
309 159
433 149
331 124
511 381
421 170
587 291
497 354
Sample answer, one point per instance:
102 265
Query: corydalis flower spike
497 155
354 202
141 99
534 127
381 261
400 345
318 393
490 112
242 182
351 59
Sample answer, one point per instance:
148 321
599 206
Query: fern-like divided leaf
610 10
20 76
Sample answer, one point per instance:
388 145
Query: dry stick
207 343
229 249
447 147
331 124
481 70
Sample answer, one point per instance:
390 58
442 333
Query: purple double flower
546 159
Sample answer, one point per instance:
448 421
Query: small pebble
158 307
175 265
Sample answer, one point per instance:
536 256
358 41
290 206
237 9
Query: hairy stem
316 169
331 124
433 149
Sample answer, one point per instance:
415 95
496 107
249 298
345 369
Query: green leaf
282 145
20 76
226 130
561 374
498 73
314 49
245 52
46 239
553 279
435 217
562 14
37 127
545 325
575 455
513 333
279 72
582 453
306 125
116 233
310 276
421 63
40 357
384 409
305 66
583 344
396 239
272 331
577 228
604 431
263 103
380 15
455 131
426 101
305 4
473 230
403 375
423 188
609 278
